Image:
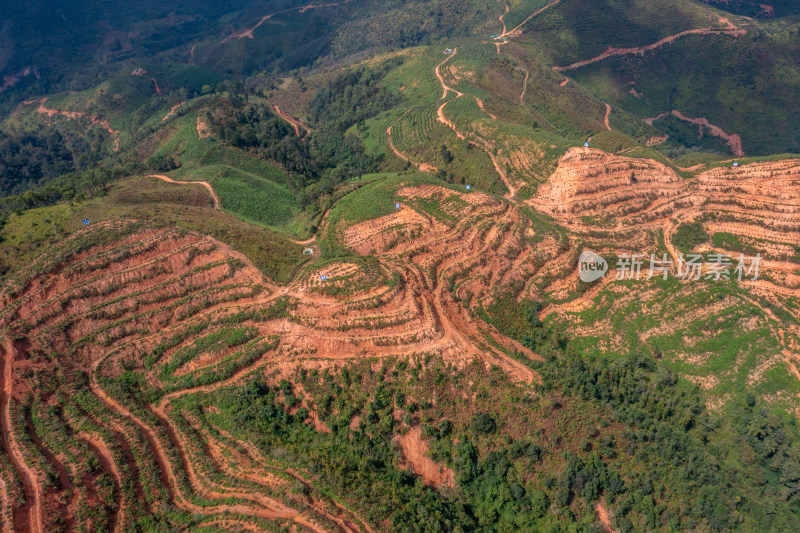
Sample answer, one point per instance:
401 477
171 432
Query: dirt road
296 123
481 143
514 32
205 184
172 110
249 32
734 141
730 29
94 119
524 87
33 491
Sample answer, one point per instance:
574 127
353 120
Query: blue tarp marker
469 187
85 221
323 277
397 206
736 164
586 144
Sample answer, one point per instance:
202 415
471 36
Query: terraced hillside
147 327
349 297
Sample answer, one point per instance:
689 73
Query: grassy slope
254 189
26 236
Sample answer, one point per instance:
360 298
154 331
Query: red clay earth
144 267
644 202
602 516
415 453
28 516
88 302
448 264
202 128
172 110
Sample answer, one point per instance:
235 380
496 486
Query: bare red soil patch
602 516
172 110
415 455
296 123
202 128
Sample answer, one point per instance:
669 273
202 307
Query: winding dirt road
483 144
730 29
734 141
294 122
249 32
524 87
514 32
205 184
172 110
33 492
94 119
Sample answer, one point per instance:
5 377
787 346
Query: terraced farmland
363 308
146 323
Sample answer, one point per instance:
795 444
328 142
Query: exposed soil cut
415 455
249 32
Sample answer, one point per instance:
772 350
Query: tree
485 424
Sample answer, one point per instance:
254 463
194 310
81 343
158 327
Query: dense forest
329 155
32 158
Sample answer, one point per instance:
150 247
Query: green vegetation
671 403
728 73
515 468
28 159
27 235
689 235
